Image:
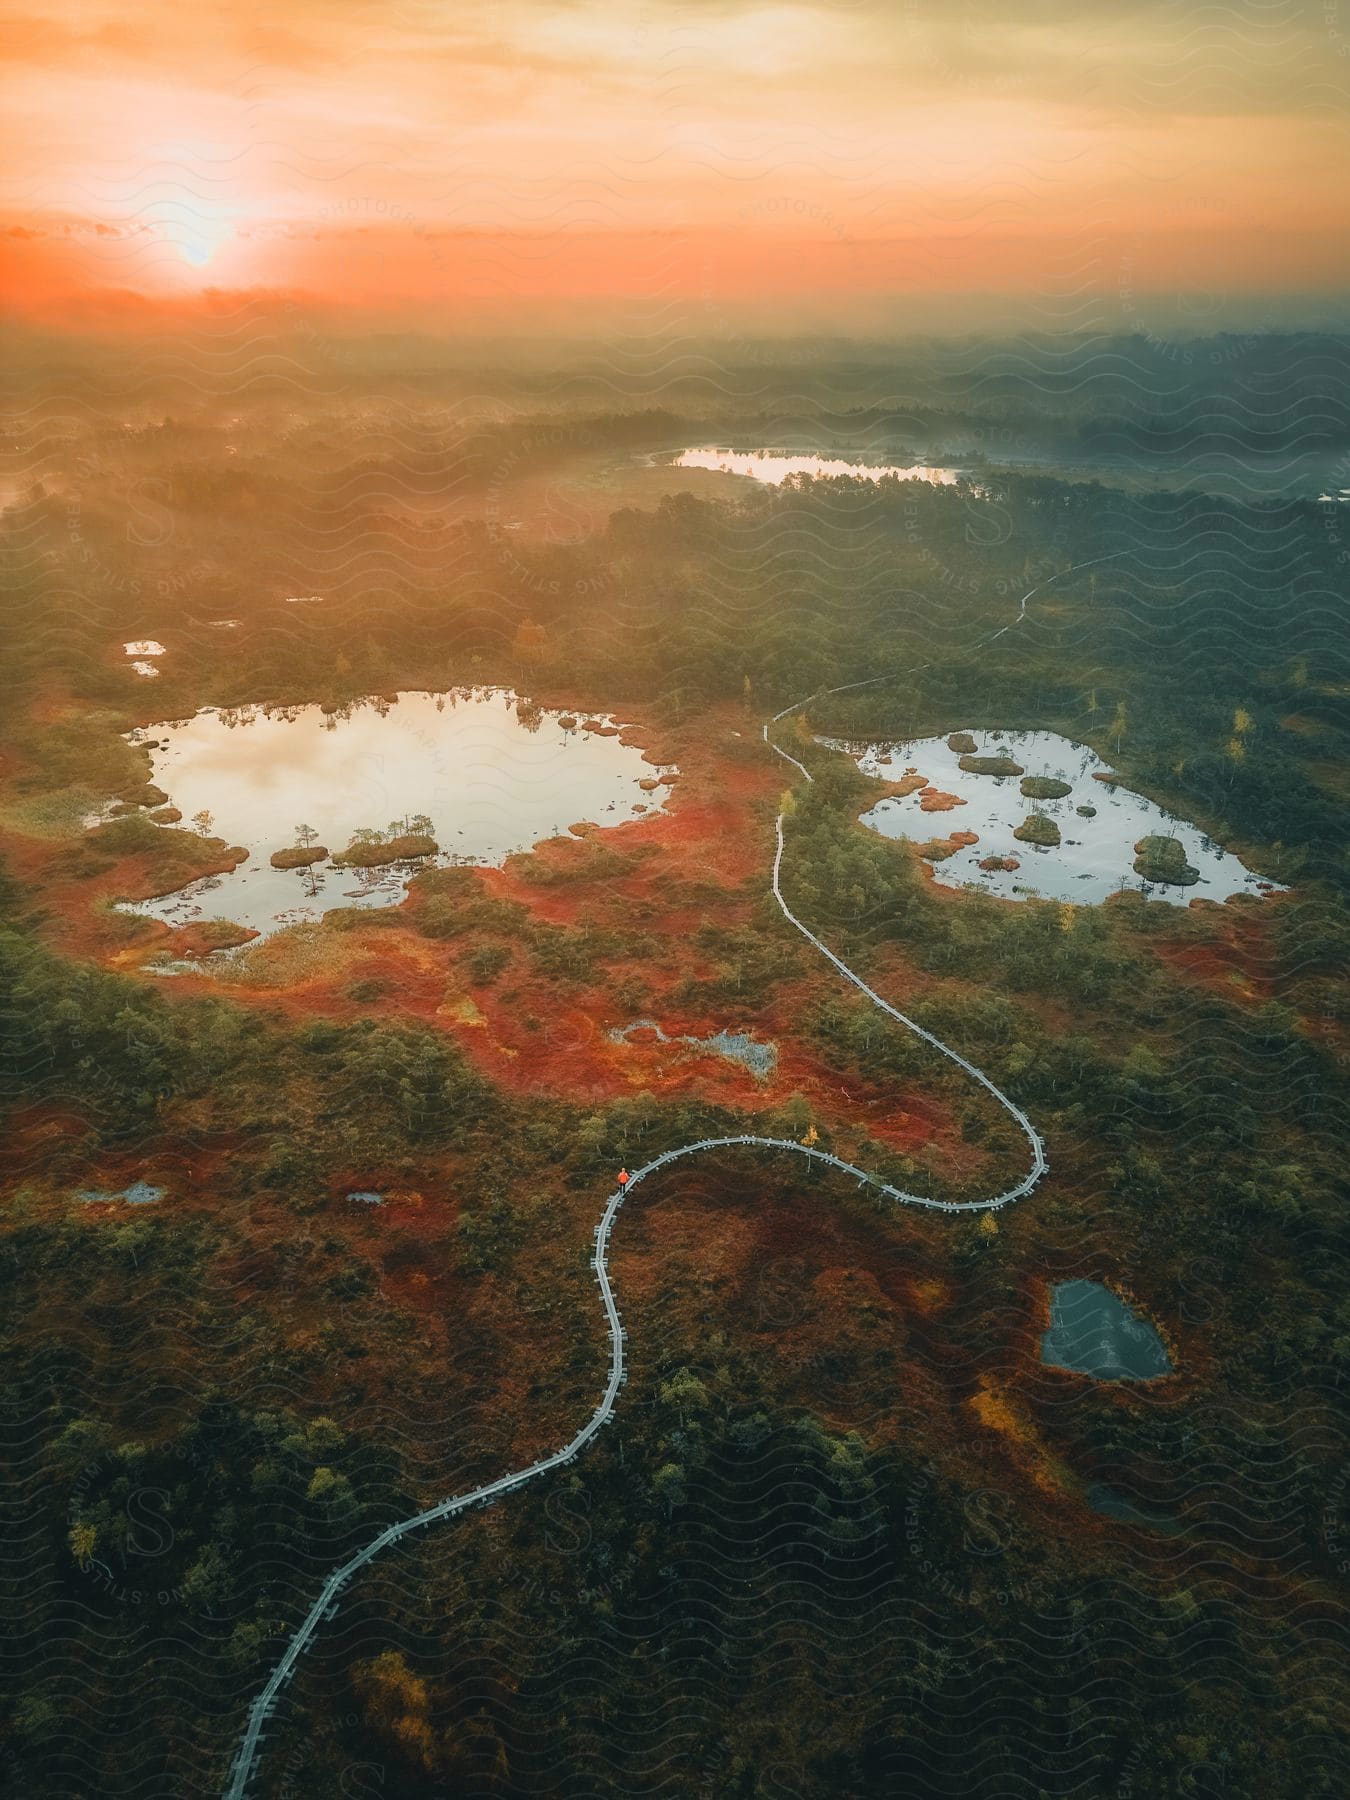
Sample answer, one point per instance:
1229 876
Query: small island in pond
1045 787
1163 859
990 765
1037 829
299 857
373 850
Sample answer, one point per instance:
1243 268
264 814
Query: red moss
702 859
206 935
1237 960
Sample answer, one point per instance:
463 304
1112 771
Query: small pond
774 466
1095 855
1117 1506
142 651
491 773
140 1193
1093 1332
735 1046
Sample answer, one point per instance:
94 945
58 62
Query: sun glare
197 248
197 235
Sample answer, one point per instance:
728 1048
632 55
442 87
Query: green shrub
1162 859
1037 829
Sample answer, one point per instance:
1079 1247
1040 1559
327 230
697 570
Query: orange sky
454 165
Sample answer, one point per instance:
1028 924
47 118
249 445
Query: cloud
271 144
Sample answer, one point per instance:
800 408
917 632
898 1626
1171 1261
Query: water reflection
774 466
489 773
1093 1332
1098 824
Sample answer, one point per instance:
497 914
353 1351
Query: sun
193 203
196 234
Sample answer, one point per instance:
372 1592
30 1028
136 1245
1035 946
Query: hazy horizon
725 166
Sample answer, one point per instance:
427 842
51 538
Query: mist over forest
674 901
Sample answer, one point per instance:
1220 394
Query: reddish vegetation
43 866
998 1411
185 1162
703 860
934 800
202 937
828 1288
831 1286
939 849
33 1133
1236 957
1301 725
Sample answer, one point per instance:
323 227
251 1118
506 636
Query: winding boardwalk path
246 1758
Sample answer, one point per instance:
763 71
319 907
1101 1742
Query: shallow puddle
735 1046
140 1193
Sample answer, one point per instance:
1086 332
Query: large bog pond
491 773
1095 855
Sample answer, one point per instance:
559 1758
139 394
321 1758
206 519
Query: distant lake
1095 856
492 772
1093 1332
774 466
